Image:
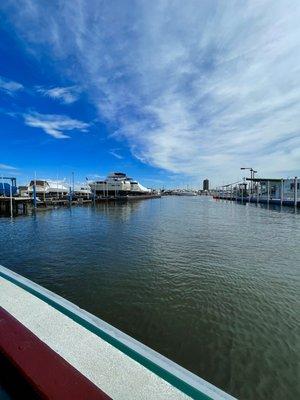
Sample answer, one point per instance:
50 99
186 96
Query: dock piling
34 197
295 191
11 201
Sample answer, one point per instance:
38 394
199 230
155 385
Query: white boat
186 193
82 191
48 188
118 184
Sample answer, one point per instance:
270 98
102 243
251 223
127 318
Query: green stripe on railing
158 370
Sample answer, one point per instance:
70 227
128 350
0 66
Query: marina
43 195
149 200
282 192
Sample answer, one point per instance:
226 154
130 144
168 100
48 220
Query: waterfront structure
63 352
46 189
270 189
41 195
277 188
206 185
14 205
263 190
8 189
118 184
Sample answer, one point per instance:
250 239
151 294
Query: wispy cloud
7 167
194 89
65 95
114 152
55 125
10 87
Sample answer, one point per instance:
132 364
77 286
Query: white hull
186 194
118 184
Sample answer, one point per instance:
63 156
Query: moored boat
118 184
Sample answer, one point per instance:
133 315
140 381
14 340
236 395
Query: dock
14 205
281 192
61 351
43 195
258 200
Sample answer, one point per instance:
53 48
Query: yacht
186 193
118 184
183 192
47 188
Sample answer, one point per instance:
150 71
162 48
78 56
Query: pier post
70 196
11 200
295 191
281 192
257 194
34 196
242 194
268 192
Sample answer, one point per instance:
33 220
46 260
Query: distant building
206 184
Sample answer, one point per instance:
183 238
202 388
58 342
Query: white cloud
8 167
114 152
199 88
10 87
65 95
55 125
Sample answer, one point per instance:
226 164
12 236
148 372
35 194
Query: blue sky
171 92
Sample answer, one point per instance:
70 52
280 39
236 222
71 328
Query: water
212 285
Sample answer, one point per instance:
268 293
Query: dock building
263 190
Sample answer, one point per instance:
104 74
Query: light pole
252 173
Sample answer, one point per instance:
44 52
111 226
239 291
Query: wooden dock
13 206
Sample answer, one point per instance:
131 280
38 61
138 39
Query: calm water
212 285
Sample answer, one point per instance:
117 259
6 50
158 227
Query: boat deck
42 333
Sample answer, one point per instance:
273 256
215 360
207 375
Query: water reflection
118 210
